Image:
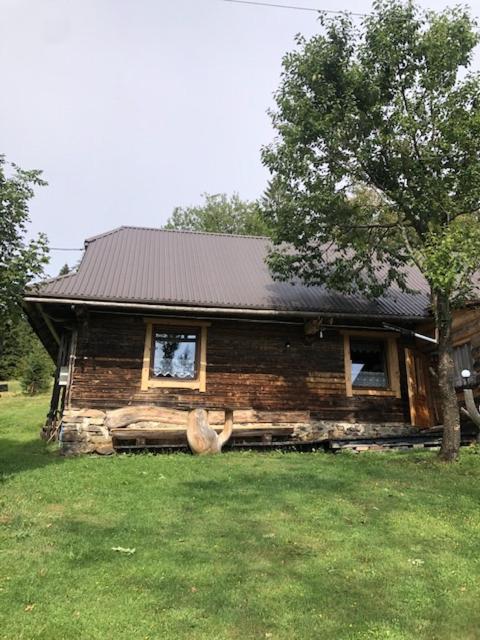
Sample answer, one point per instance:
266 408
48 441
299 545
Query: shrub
35 371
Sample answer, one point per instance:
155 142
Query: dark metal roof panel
133 264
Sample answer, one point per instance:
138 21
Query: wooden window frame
393 367
200 382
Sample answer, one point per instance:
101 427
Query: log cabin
155 324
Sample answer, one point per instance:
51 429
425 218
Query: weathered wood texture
465 329
248 367
202 438
422 413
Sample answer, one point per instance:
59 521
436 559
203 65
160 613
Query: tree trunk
446 379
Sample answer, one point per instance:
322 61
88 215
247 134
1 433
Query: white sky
132 107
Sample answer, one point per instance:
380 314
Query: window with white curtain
174 354
369 363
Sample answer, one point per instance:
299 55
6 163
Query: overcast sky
132 107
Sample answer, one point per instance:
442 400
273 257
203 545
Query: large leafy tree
388 108
220 213
21 260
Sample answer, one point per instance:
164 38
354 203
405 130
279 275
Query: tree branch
386 225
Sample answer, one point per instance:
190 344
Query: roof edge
41 283
182 231
102 235
228 311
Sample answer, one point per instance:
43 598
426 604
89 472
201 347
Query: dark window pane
369 368
174 354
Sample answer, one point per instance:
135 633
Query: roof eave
223 311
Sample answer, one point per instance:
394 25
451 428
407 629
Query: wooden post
71 367
56 389
348 366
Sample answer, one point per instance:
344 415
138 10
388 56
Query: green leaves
221 214
35 370
21 260
377 152
450 258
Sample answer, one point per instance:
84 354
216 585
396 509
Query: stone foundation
91 430
84 431
333 430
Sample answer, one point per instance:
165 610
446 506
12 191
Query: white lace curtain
174 355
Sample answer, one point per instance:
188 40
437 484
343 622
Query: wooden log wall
466 328
248 367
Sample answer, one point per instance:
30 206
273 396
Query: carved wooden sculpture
201 437
471 409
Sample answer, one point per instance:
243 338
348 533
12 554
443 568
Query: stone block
307 432
67 427
333 430
73 419
76 448
74 436
99 439
99 422
98 431
104 449
87 413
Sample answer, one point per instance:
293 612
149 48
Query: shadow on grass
245 546
17 456
232 570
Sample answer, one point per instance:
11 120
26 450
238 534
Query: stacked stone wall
93 430
84 431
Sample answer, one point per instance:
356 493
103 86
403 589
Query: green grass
238 546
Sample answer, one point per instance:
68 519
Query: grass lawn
239 546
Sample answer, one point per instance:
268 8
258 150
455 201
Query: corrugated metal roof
134 264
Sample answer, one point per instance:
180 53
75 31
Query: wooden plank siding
465 329
248 367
